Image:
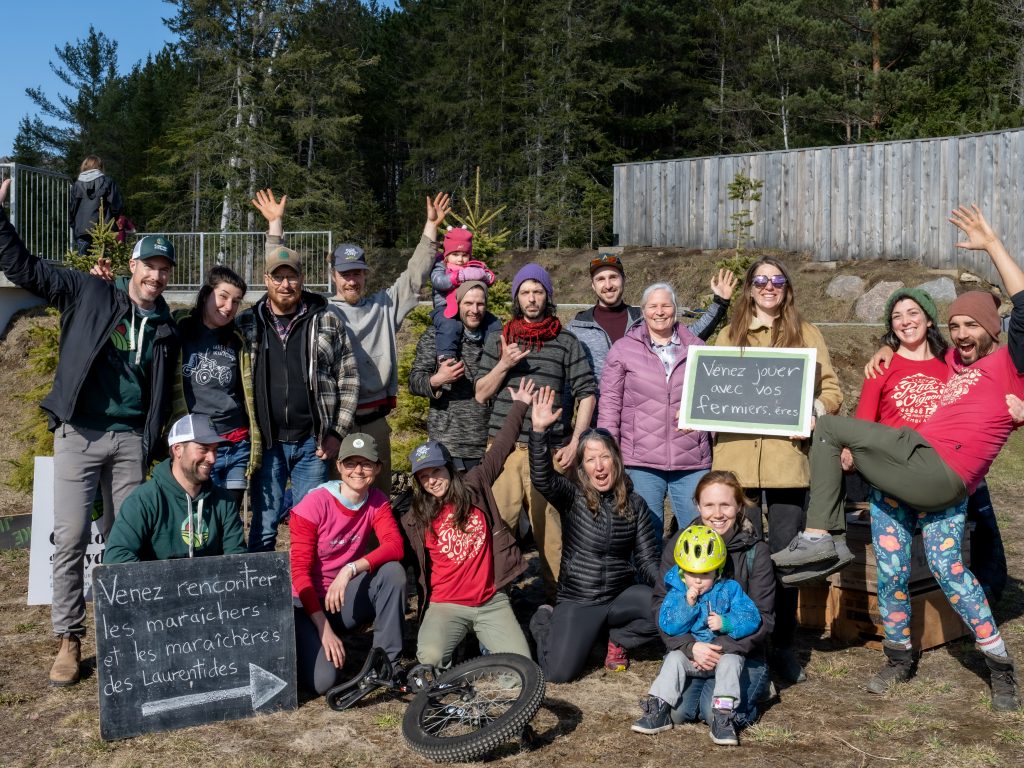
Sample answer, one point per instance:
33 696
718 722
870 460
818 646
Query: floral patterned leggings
892 529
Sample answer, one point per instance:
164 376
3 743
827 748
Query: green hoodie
154 522
115 394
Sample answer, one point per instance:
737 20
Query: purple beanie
533 272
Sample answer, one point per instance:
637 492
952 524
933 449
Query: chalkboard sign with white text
184 642
749 390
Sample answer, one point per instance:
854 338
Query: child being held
455 267
701 603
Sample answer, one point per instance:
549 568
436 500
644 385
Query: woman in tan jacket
776 468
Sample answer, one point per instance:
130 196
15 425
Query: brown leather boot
65 667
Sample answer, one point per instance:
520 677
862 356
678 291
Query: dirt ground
941 717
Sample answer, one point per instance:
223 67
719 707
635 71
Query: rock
871 305
967 277
941 290
848 287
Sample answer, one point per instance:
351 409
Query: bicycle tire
474 708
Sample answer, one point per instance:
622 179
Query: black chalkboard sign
750 390
184 642
15 531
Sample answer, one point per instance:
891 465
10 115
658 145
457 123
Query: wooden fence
866 201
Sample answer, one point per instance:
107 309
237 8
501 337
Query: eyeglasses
290 279
761 281
605 260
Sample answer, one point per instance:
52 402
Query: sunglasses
761 281
605 260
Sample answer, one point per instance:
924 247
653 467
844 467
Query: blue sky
31 29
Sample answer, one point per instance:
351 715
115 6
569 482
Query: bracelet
355 569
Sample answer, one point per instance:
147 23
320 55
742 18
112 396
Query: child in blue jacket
701 603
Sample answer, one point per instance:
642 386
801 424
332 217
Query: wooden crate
852 617
862 573
812 606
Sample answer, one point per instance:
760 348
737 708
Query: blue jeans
231 464
653 485
696 703
281 462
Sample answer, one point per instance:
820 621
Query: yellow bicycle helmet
700 550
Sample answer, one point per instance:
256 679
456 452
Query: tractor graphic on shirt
203 369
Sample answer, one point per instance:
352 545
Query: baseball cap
358 444
606 260
279 256
348 256
153 245
429 455
194 428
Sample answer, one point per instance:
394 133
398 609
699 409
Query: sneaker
793 577
803 551
785 662
723 729
657 716
616 659
65 669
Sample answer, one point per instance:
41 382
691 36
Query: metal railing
196 252
39 208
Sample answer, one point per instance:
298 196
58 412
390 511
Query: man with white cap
179 512
372 321
110 398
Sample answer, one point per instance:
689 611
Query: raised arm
722 285
272 210
980 237
554 487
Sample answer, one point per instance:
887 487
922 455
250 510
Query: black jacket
90 308
89 189
598 553
758 581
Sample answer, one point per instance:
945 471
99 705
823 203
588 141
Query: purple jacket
639 405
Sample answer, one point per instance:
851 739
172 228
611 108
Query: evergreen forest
356 110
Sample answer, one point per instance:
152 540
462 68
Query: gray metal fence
197 252
887 200
39 208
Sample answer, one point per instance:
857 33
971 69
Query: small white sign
40 563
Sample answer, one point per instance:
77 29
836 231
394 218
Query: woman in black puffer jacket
608 546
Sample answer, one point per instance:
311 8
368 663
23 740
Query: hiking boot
899 668
723 729
657 716
65 667
785 662
1003 681
616 659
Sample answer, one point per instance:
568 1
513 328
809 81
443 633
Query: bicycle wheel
475 707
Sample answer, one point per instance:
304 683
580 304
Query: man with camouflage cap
304 381
110 398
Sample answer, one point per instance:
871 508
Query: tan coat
762 461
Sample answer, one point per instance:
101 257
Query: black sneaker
723 730
657 716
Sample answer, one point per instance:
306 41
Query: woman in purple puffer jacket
640 388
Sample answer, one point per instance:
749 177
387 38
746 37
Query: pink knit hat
458 240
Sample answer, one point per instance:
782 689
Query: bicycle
460 714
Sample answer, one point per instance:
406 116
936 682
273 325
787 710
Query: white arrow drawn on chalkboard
262 687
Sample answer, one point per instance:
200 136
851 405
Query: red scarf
531 335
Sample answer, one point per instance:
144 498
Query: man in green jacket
179 512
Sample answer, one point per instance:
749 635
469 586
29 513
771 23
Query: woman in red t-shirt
466 553
905 395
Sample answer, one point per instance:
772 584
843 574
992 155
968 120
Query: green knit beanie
921 297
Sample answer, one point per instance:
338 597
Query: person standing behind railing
91 190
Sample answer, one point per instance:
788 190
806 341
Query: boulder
847 287
967 277
942 290
871 306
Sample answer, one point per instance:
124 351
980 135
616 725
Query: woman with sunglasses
640 391
776 468
609 553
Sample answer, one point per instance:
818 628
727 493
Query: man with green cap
110 398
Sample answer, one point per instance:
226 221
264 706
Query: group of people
568 431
